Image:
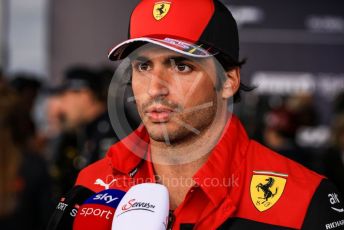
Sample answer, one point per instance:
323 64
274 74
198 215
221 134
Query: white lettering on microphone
61 206
73 212
107 198
96 212
133 204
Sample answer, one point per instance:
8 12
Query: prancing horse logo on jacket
266 188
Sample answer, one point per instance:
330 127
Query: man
86 129
334 157
27 87
184 70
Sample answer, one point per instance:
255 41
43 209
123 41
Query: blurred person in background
27 87
53 115
282 124
279 133
334 158
61 144
301 106
25 192
81 108
2 80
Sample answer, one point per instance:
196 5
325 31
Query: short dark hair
227 64
97 80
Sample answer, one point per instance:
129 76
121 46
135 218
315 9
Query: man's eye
183 68
143 67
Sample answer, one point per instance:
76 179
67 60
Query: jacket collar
216 177
222 170
128 153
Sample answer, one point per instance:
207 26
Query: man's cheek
140 110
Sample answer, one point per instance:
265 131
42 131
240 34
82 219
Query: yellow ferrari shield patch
161 9
266 188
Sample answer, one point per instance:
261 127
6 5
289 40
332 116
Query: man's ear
232 83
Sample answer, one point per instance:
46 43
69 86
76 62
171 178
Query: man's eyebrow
140 59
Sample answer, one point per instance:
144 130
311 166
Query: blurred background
53 113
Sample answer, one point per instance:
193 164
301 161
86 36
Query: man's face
175 94
74 104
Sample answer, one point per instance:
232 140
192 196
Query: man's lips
159 113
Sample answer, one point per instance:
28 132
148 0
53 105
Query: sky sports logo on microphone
97 211
110 197
102 204
106 197
133 205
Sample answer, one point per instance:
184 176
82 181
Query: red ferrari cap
198 28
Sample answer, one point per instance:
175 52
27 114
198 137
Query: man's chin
167 135
159 132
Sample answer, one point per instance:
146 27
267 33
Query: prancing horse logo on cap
161 9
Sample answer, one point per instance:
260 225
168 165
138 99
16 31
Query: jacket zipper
171 219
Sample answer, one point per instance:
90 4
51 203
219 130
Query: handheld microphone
144 206
66 210
98 210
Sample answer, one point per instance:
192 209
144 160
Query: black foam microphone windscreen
66 210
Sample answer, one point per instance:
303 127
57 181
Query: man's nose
159 82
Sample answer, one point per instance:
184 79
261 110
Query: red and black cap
198 28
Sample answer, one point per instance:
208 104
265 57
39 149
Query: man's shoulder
296 183
326 210
277 191
262 158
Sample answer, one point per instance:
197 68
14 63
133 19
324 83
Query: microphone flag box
144 205
98 210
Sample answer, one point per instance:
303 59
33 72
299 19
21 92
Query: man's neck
174 166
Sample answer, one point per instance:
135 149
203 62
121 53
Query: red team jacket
243 185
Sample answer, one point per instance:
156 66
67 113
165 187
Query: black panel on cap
222 32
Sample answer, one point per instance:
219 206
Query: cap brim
74 85
52 90
122 50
